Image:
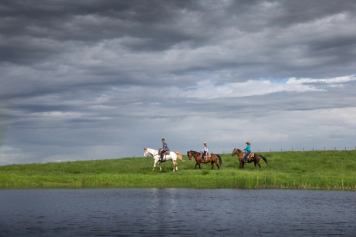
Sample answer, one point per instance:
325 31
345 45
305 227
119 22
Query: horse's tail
220 160
179 155
264 158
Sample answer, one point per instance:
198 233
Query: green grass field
335 170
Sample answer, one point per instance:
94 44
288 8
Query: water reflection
176 212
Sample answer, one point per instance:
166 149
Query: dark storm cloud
91 21
36 33
155 22
294 12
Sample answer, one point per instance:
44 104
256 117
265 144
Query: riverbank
327 170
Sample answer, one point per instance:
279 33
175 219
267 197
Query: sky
87 79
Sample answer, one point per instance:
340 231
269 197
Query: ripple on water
176 212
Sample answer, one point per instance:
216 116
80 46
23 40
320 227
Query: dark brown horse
253 157
213 159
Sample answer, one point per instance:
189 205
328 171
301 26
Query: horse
174 156
253 157
214 159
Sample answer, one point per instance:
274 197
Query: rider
164 149
247 151
205 150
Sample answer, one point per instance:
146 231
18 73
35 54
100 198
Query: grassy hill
297 170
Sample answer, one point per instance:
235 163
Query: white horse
149 152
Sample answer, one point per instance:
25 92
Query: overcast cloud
103 79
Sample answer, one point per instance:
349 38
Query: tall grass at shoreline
330 170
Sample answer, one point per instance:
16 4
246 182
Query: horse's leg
212 165
174 165
254 162
154 165
160 167
196 164
259 165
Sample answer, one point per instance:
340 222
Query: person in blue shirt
164 149
205 151
247 151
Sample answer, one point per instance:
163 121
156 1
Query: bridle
189 154
237 152
194 154
150 154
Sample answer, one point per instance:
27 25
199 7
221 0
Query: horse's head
194 154
148 152
145 152
237 152
189 154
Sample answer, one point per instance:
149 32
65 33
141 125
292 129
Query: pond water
176 212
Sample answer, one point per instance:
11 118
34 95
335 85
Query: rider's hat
163 139
248 143
205 143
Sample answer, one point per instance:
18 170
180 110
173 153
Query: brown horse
253 157
213 159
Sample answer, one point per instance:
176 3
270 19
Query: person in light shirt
205 151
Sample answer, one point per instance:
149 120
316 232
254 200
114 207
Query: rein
151 154
195 154
238 153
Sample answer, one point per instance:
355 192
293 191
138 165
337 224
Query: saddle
251 156
165 153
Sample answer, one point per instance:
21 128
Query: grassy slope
302 170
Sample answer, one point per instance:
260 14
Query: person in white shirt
205 151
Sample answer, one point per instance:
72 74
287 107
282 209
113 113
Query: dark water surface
177 212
